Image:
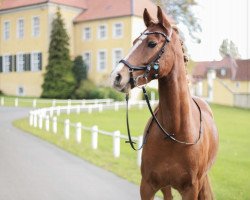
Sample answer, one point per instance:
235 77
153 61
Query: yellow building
101 31
225 82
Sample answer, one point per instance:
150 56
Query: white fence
48 116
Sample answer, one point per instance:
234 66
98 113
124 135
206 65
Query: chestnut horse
180 160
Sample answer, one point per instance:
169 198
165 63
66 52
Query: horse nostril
118 78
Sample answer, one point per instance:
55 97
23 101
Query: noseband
153 64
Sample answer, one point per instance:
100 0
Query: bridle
155 65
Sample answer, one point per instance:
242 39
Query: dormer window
223 72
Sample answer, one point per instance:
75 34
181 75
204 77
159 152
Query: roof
243 72
12 4
99 9
238 70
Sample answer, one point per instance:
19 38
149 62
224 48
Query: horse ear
146 17
162 19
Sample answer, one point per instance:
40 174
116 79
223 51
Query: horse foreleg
147 191
206 190
190 192
167 193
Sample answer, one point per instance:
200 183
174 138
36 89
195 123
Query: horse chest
167 168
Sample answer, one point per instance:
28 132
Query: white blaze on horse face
120 66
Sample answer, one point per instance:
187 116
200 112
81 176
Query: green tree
59 80
79 70
228 48
181 11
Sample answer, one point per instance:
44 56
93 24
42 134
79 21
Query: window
117 56
20 28
102 32
86 33
36 62
237 84
35 26
223 72
6 30
20 62
101 60
117 30
20 91
87 60
6 63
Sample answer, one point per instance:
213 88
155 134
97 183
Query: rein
155 65
166 134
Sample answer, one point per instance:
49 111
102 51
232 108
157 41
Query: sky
220 19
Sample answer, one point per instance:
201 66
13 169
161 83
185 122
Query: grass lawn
230 176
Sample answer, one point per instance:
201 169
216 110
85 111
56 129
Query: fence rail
50 102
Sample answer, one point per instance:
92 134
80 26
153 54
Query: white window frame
86 35
6 30
115 30
34 62
99 61
36 28
20 30
6 69
99 32
20 65
114 60
88 64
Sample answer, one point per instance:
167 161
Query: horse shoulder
204 106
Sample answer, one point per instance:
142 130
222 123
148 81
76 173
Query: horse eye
152 44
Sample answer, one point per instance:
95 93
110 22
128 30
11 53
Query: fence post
116 144
79 132
116 106
34 103
2 101
40 121
16 102
139 153
54 125
83 102
94 137
90 109
140 105
68 109
35 119
53 102
47 122
31 118
100 107
78 109
51 109
66 129
69 102
58 110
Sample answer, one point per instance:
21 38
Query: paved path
32 169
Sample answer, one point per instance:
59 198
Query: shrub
88 90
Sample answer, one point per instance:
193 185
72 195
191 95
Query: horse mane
185 56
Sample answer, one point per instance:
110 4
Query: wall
31 81
242 100
109 44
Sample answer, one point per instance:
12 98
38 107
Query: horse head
151 56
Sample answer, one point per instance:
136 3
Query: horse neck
174 100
